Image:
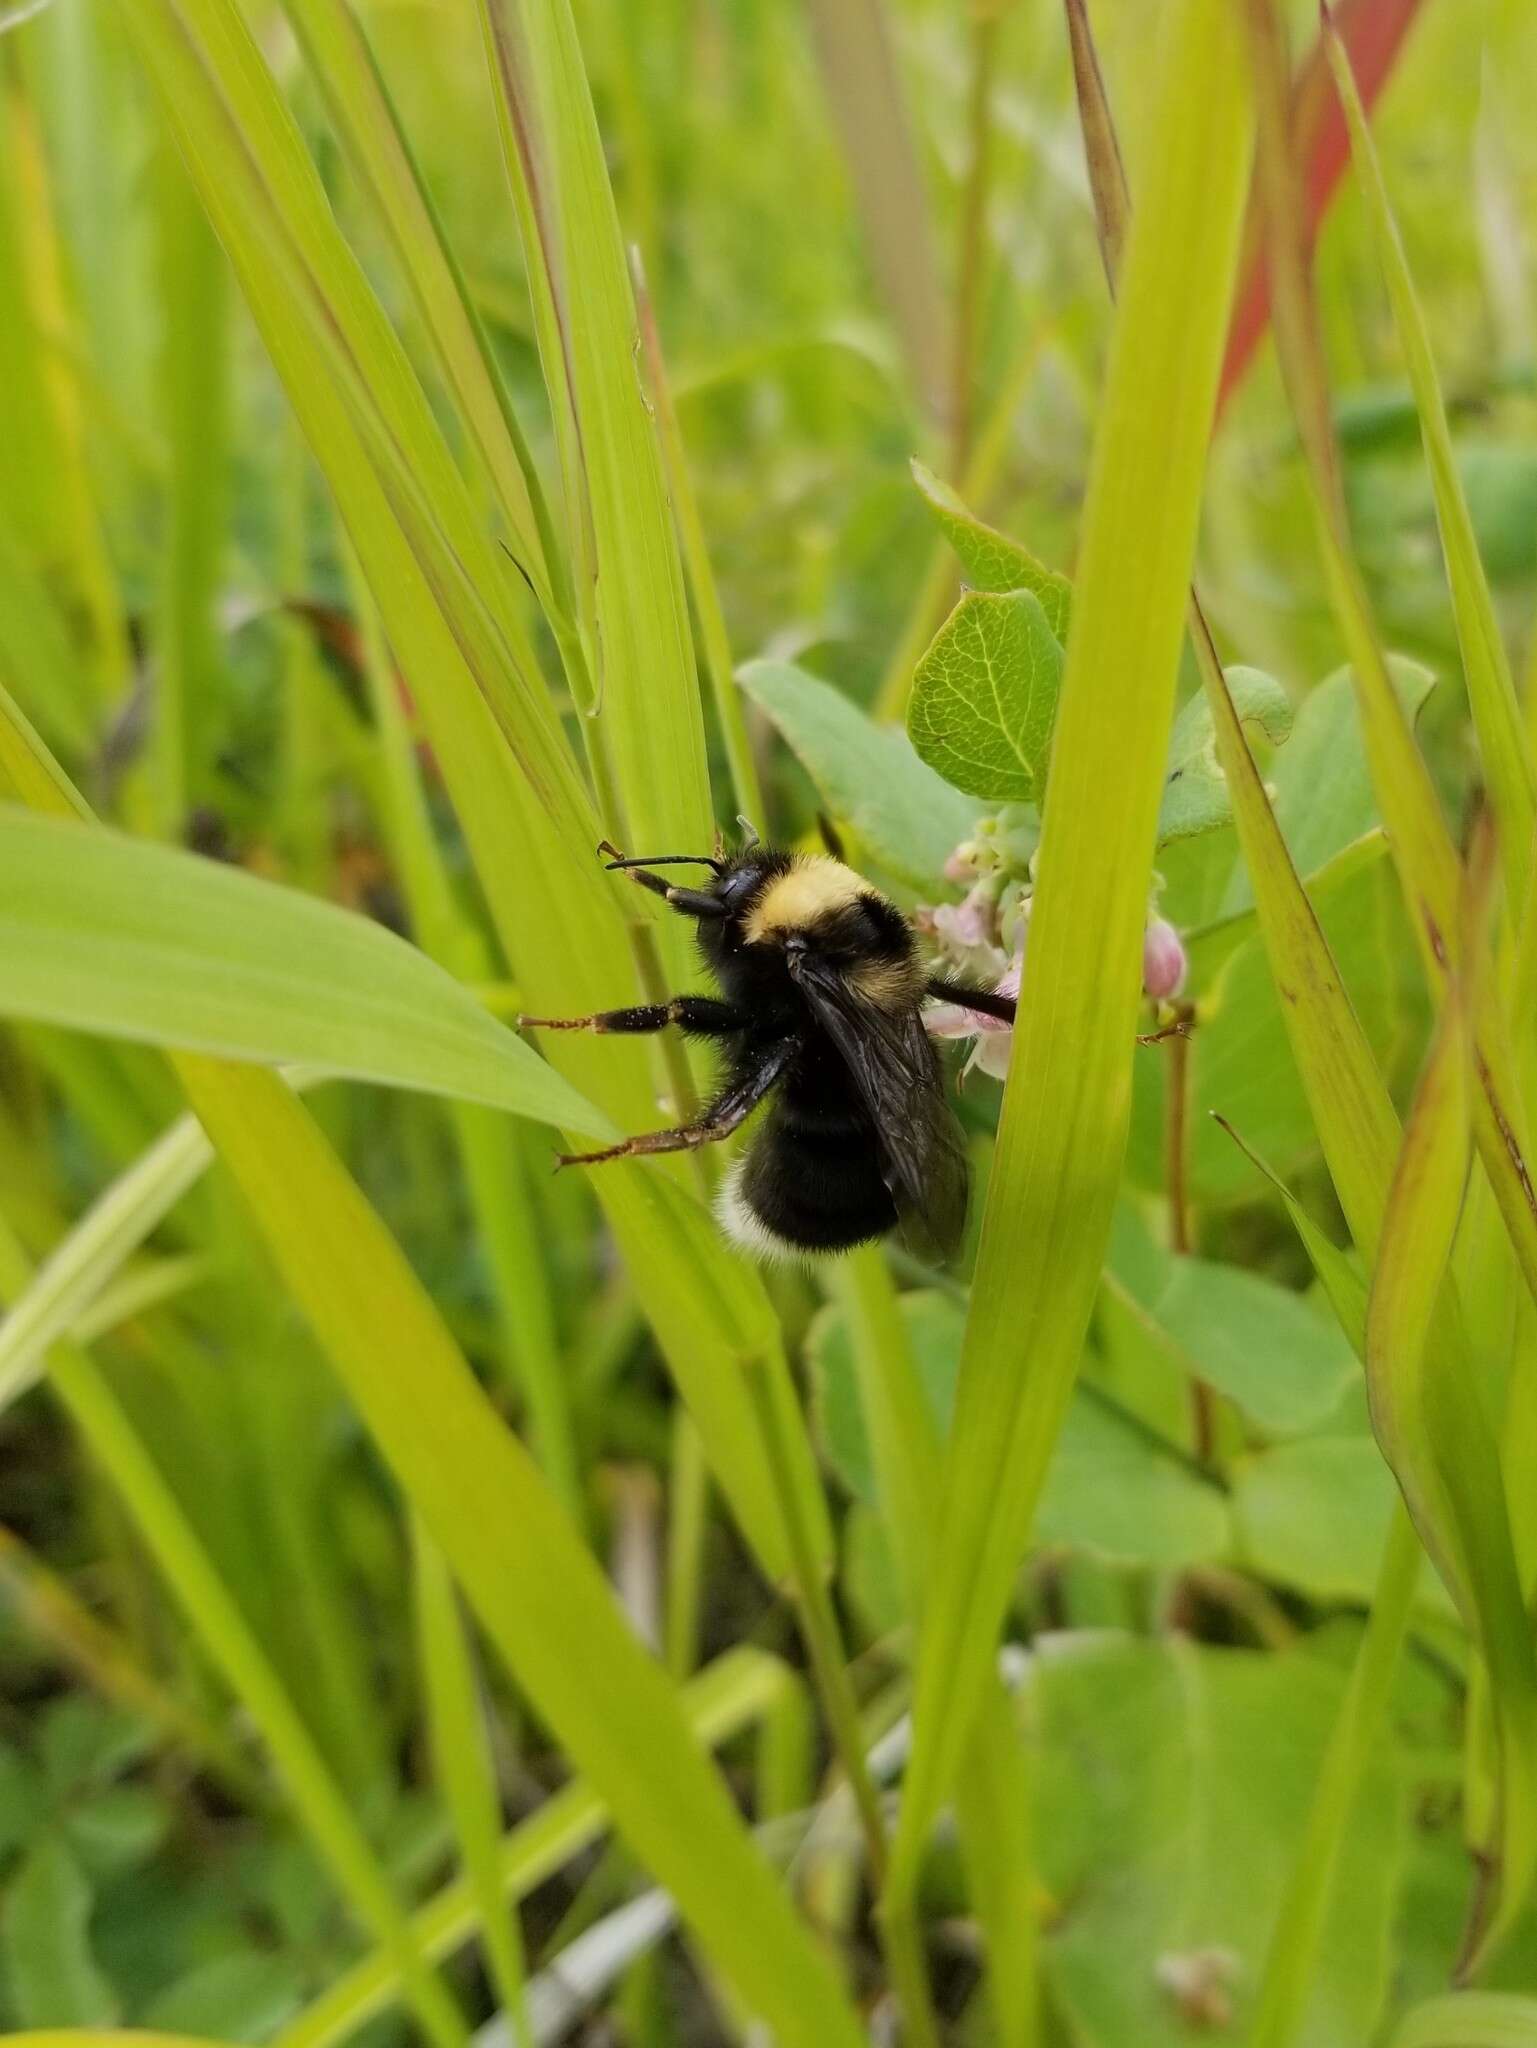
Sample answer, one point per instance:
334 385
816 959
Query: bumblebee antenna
657 860
750 834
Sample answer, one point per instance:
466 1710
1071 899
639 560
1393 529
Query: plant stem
819 1626
1203 1405
1289 1965
973 252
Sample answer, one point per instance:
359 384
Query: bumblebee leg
726 1113
987 1000
700 1016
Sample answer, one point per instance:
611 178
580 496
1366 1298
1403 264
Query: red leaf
1373 32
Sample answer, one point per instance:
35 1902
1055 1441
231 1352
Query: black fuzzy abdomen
813 1174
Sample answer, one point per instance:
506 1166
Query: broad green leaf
1111 1488
991 560
984 698
558 1627
1062 1137
115 935
244 1996
1195 796
51 1975
1502 739
1262 1345
1470 2019
1163 1769
909 817
118 1828
1314 1515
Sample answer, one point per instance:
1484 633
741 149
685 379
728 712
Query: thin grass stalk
1503 745
688 1504
823 1639
1066 1102
855 44
993 1792
319 1804
1296 1940
730 713
973 269
464 1769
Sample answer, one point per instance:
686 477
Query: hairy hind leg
730 1109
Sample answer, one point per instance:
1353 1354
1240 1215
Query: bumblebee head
791 909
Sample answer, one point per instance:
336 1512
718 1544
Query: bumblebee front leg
699 1016
730 1109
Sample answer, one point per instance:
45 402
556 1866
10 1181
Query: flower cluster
982 938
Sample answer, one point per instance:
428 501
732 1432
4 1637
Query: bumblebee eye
734 890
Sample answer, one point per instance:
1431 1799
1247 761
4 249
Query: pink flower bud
1163 959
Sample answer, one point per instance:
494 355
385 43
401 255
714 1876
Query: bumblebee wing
896 1073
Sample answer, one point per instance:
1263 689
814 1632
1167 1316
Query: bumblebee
819 1014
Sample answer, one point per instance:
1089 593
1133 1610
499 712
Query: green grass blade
83 1263
110 934
1486 666
1436 1433
194 378
463 1767
211 1611
1066 1103
854 41
1291 1960
538 1593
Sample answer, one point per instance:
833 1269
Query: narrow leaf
1063 1132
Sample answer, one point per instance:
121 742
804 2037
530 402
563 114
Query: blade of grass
993 1793
1066 1102
211 1611
854 42
1421 845
463 1768
1434 1426
554 1619
1486 666
745 1688
109 934
194 377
